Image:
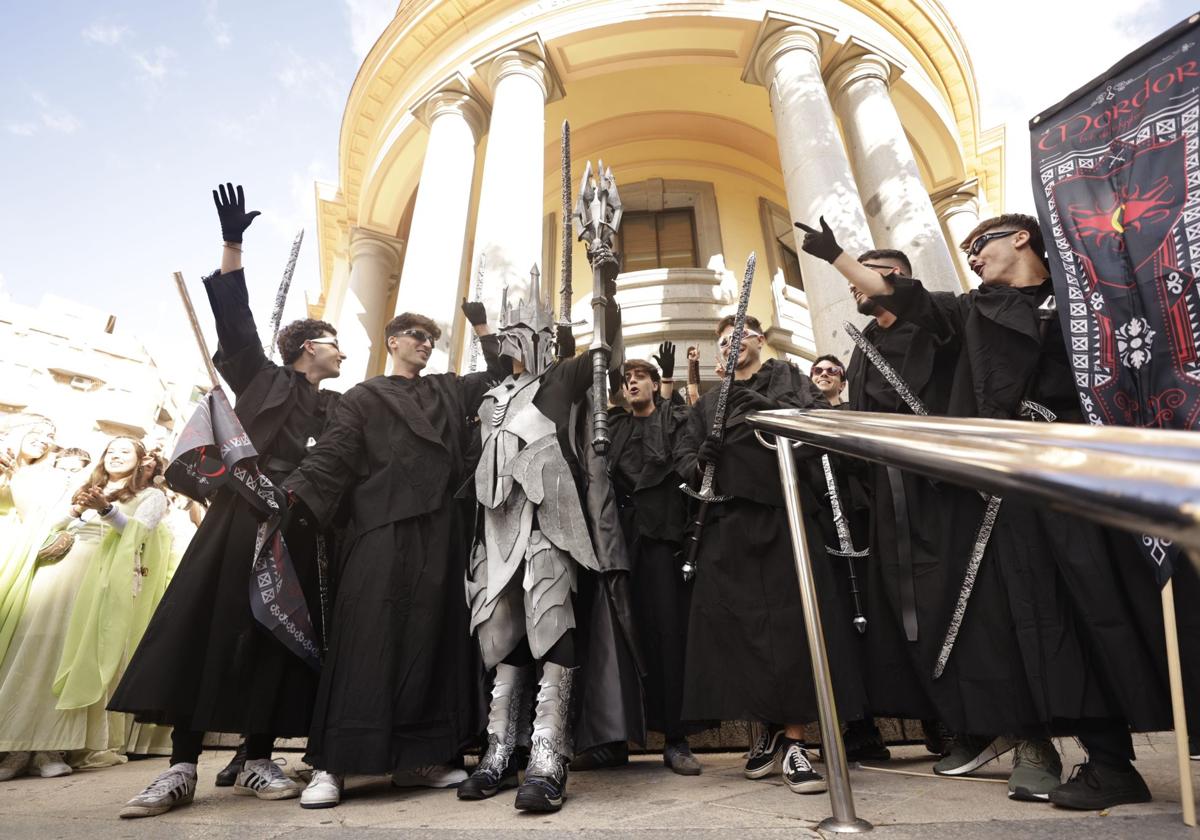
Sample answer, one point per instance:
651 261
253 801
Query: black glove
820 243
231 209
475 311
709 452
743 400
666 359
566 341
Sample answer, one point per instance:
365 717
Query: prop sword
844 541
281 296
478 296
568 237
707 495
597 218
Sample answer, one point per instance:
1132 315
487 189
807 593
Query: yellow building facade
722 122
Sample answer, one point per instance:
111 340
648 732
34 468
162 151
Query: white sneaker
14 764
49 765
324 791
431 776
263 778
174 786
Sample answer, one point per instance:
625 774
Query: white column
816 173
374 261
508 230
898 208
437 238
958 210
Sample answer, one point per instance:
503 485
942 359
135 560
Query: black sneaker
236 765
798 772
864 742
486 781
763 758
1094 787
615 754
542 793
937 739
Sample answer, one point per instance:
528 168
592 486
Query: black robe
1051 634
748 653
398 686
204 662
899 672
653 514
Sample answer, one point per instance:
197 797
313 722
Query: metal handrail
1144 480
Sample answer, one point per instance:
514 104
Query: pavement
901 798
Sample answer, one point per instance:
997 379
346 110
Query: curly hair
292 337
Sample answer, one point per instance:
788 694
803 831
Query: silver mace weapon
281 295
707 495
597 217
474 361
844 541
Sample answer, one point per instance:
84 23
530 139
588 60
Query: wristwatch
108 510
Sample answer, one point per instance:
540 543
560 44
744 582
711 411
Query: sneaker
970 752
1094 787
864 742
265 779
1037 770
236 765
1194 748
174 786
48 765
798 772
615 754
14 764
763 758
937 739
678 756
324 790
430 776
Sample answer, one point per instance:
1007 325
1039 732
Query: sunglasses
830 369
727 340
332 342
981 241
419 336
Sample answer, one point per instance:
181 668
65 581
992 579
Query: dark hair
751 324
1016 221
410 320
137 482
888 254
642 364
292 337
75 452
828 357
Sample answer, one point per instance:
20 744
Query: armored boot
508 730
545 784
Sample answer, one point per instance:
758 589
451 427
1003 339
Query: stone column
437 238
374 261
508 229
816 172
958 210
899 211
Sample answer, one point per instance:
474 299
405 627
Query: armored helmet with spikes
527 328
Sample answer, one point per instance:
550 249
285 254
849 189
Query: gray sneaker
1037 770
678 756
970 752
174 786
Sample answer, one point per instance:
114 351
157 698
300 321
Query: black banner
213 451
1116 177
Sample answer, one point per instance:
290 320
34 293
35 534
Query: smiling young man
829 375
397 687
205 664
1050 643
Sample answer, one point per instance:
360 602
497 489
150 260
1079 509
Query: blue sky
118 118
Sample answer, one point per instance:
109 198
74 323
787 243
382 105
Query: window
785 249
658 239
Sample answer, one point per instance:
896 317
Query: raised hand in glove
820 243
231 209
709 452
475 311
743 400
666 359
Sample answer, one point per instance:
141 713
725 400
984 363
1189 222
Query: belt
908 590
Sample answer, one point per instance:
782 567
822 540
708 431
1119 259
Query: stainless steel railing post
841 798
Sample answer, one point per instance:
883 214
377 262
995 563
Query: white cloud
310 76
107 34
368 18
218 28
53 117
22 129
153 67
1062 45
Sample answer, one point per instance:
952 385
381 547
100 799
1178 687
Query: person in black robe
397 691
205 664
1050 642
653 513
747 656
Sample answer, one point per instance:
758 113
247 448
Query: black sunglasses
982 240
419 336
831 370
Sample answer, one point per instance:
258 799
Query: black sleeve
334 463
689 436
938 313
239 357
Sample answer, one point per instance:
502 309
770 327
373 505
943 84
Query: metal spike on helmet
527 328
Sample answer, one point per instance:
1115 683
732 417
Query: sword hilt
700 496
